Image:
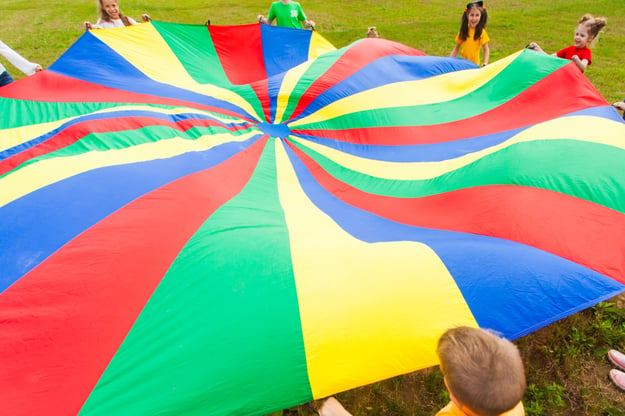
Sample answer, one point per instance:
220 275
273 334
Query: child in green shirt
287 13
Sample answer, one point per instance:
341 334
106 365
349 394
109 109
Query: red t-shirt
582 53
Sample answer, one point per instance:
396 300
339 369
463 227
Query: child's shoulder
450 410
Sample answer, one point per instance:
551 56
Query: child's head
482 371
109 10
588 29
474 17
372 32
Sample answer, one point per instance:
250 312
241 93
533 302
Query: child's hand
620 105
38 68
311 24
260 18
581 64
87 25
332 407
146 17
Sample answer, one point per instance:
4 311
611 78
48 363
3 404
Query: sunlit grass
42 30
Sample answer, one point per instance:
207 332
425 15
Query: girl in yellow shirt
472 35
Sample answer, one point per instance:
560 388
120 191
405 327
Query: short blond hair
372 32
483 371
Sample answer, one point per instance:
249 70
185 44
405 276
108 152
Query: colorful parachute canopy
236 220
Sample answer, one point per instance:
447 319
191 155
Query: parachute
238 219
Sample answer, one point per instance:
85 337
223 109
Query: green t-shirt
287 15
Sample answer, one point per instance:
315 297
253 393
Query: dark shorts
5 78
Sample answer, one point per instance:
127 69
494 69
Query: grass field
566 365
42 29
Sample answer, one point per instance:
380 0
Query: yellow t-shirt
452 410
471 48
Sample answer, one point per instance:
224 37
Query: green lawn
42 29
566 366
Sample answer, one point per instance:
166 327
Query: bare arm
581 63
264 20
18 60
332 407
620 105
455 51
535 47
486 50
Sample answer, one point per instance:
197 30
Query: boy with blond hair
483 373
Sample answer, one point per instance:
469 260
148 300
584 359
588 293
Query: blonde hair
372 32
594 25
482 371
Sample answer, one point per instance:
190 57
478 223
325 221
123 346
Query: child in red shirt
585 34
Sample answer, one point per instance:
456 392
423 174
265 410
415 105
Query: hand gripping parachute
235 220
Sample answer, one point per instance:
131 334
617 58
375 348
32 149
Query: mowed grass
41 30
566 365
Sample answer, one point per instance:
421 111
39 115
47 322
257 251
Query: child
372 32
16 60
483 373
585 34
473 34
288 14
110 16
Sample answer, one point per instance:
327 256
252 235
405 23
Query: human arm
581 63
457 47
146 17
305 21
486 51
271 16
620 105
456 50
535 47
18 61
264 20
99 24
332 407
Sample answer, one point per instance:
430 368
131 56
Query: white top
16 60
103 24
